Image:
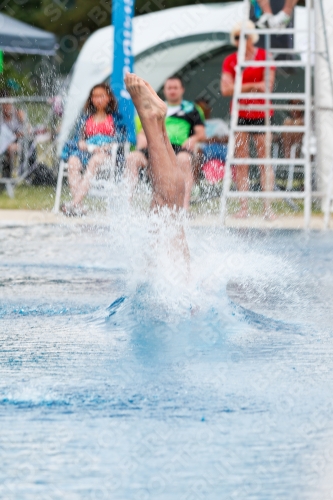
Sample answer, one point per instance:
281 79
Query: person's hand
83 146
260 87
189 144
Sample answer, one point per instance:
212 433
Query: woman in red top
98 131
253 81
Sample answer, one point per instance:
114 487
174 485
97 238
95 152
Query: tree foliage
73 21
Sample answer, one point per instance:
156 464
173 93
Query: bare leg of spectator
242 171
290 138
266 174
74 174
134 162
13 151
184 162
286 144
83 186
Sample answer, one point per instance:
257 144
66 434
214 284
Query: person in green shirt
184 127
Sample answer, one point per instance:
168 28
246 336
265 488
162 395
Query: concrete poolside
33 217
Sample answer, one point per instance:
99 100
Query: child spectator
295 118
96 131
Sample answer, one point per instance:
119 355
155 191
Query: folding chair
100 185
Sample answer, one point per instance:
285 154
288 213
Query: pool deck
33 217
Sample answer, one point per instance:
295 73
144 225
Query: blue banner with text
122 14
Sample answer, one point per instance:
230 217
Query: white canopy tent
163 43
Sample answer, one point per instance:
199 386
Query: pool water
120 380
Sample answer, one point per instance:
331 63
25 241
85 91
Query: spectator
16 122
295 118
253 80
216 128
184 128
97 129
213 151
279 20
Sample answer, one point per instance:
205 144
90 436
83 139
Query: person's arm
198 136
228 84
81 136
265 6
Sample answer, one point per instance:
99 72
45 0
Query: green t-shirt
179 123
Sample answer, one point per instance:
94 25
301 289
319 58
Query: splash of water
158 278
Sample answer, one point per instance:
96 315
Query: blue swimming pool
119 383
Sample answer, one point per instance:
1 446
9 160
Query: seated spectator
184 128
295 118
216 129
96 131
214 151
16 122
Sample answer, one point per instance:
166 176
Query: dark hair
112 105
175 77
203 100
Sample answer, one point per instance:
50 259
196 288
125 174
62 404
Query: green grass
42 198
256 207
29 198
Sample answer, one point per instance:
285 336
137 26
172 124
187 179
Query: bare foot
144 97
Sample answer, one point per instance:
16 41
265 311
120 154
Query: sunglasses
237 37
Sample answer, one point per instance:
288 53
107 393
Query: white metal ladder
326 55
268 128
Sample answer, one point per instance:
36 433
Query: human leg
184 162
279 20
74 174
83 186
242 171
168 180
135 161
267 177
286 144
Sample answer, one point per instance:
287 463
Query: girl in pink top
98 131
